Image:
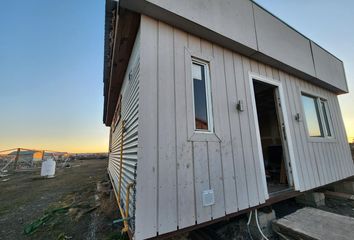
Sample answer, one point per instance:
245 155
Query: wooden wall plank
235 182
245 121
216 179
185 176
167 191
201 179
146 187
219 108
258 158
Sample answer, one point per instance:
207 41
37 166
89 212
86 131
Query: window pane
326 120
312 116
200 97
197 71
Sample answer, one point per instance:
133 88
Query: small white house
215 107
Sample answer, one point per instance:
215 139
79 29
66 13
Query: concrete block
344 187
315 224
314 199
265 220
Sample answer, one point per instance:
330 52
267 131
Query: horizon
51 66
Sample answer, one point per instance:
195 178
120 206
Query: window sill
204 137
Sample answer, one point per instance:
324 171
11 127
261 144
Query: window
202 96
326 118
317 117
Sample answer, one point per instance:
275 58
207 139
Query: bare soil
68 206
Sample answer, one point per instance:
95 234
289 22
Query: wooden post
17 157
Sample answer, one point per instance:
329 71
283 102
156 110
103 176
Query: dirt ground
78 204
68 206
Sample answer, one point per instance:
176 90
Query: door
273 140
283 137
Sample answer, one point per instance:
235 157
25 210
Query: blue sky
51 61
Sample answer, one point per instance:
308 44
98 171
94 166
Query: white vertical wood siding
173 169
129 114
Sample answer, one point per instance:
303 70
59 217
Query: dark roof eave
109 11
117 54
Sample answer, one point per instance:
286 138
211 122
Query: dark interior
272 145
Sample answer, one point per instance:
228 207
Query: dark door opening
272 137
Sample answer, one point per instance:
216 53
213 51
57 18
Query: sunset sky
51 62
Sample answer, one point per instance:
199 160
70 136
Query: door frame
284 112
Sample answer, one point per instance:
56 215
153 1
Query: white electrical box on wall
208 198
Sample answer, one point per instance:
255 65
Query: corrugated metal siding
129 114
173 170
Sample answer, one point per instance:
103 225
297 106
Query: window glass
201 112
312 116
325 118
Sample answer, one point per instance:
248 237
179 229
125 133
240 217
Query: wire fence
17 159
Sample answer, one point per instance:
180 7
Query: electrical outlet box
208 198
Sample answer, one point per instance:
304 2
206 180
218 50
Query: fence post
17 157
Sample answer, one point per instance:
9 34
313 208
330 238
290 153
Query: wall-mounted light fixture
298 117
240 106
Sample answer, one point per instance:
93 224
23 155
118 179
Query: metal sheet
130 116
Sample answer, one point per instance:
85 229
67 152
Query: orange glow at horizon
74 145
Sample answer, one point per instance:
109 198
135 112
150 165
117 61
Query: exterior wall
283 43
328 67
129 114
231 18
247 28
174 169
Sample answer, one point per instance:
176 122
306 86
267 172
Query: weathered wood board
311 223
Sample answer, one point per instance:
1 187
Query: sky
51 63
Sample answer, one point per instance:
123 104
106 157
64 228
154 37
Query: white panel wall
173 169
283 43
328 67
247 28
231 18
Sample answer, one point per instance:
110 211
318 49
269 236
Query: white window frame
323 127
330 125
208 96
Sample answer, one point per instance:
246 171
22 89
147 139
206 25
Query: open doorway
273 137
